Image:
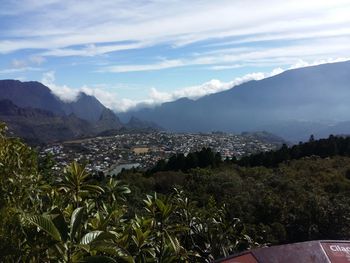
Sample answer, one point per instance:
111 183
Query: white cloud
23 65
64 92
92 50
157 97
18 63
230 58
273 33
221 67
69 94
207 88
18 70
111 100
177 22
340 31
165 64
302 63
37 60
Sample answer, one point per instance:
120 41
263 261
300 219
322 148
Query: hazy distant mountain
291 104
135 123
341 128
36 125
107 121
266 137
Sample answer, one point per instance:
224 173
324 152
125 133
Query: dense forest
293 194
332 146
194 208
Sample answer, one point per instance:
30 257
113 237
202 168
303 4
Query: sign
247 258
323 251
338 252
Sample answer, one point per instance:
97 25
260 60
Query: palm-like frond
76 220
92 188
90 237
75 183
60 223
45 224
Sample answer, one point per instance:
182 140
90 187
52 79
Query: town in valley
142 150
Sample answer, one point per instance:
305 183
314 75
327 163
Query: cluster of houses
145 149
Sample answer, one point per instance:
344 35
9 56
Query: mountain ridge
293 99
36 95
40 126
33 112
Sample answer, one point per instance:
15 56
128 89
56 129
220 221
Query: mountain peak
33 112
34 94
83 95
86 107
30 94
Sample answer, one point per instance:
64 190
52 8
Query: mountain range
33 94
34 113
293 104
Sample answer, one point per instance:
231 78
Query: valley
105 154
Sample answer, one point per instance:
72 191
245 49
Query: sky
145 52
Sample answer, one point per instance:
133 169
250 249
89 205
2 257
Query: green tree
75 183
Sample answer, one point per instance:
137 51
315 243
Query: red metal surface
247 258
337 252
305 252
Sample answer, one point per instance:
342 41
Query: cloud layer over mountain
130 53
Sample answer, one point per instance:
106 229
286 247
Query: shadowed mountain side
135 123
36 95
38 126
34 113
85 107
107 121
30 94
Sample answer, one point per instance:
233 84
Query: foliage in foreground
72 218
192 217
299 200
